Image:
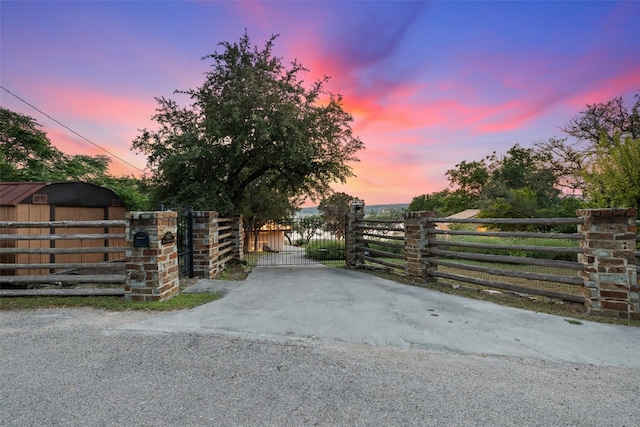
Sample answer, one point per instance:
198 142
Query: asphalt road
312 346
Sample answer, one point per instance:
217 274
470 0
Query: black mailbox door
141 240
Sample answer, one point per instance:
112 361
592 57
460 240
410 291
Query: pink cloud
109 120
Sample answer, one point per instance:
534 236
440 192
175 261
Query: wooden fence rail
511 260
141 254
225 241
637 253
28 259
381 242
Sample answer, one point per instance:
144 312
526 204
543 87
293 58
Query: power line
71 130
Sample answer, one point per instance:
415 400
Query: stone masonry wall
416 242
152 272
356 213
611 285
205 244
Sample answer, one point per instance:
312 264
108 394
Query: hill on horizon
367 209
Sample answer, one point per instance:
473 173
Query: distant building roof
272 226
466 214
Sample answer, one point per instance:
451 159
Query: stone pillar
205 244
356 213
237 228
610 276
416 246
152 256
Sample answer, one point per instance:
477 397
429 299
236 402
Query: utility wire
71 130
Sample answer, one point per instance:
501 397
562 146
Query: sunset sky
429 83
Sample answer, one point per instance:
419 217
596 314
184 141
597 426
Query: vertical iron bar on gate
190 242
185 242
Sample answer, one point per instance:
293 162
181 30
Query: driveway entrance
340 306
299 241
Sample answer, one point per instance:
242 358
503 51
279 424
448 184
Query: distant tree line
598 167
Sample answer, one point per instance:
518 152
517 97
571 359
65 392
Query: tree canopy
599 123
27 154
334 210
613 178
251 123
600 165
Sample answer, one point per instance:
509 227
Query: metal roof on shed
466 214
70 193
12 193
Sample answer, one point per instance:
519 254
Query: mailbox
141 240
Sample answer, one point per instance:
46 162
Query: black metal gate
185 242
299 241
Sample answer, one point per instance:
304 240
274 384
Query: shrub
325 249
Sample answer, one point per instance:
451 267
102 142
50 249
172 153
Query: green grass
179 302
519 241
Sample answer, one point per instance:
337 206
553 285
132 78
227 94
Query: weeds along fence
62 252
519 255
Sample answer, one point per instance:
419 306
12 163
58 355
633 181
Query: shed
56 201
270 238
465 214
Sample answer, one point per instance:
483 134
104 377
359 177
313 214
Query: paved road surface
339 306
317 346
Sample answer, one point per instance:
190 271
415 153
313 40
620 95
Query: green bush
325 250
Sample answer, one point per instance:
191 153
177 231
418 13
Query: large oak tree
252 122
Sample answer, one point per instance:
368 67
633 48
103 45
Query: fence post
237 228
416 244
610 277
356 213
152 256
205 244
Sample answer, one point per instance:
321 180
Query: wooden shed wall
25 212
36 212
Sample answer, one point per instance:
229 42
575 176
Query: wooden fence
532 262
468 251
104 255
62 252
637 253
381 242
226 241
